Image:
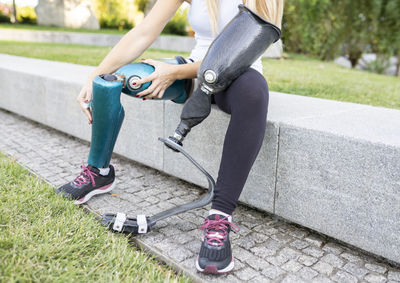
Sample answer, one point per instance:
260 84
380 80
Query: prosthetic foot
239 44
142 223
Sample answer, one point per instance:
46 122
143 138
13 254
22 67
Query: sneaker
88 183
215 253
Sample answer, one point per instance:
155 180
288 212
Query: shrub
26 15
113 14
178 24
5 12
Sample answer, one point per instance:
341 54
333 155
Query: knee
250 92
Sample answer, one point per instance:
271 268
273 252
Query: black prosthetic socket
195 110
241 42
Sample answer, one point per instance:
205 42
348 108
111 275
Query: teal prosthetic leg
108 113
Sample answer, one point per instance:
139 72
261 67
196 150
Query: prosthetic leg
240 43
142 223
108 113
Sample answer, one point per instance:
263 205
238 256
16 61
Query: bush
4 18
5 12
113 14
312 27
326 28
26 15
178 24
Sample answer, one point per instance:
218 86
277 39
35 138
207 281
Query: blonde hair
271 10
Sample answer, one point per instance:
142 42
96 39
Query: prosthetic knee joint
239 44
108 112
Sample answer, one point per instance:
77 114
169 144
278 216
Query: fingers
149 61
83 99
161 94
88 114
147 79
147 91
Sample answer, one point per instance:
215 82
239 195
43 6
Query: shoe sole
99 191
212 269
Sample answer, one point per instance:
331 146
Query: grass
297 74
44 238
50 28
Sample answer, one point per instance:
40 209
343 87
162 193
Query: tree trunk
354 56
14 13
397 73
149 5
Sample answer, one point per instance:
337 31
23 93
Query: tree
360 25
14 13
388 33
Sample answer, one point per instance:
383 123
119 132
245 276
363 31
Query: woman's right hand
85 97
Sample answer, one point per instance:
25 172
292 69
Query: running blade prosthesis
142 224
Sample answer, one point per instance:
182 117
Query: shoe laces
217 230
85 176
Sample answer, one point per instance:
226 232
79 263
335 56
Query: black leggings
246 100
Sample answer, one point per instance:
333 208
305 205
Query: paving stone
277 260
313 251
258 264
273 272
333 260
307 260
282 237
323 267
394 275
246 274
332 248
292 279
344 277
260 279
307 273
375 278
314 240
300 234
355 269
263 252
321 279
299 244
351 257
375 267
292 266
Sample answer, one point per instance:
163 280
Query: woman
246 99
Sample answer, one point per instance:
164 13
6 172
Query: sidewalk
266 249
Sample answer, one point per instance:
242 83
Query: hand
162 77
84 97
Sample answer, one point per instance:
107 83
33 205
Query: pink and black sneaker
215 253
88 183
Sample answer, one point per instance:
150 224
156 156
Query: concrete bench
331 166
163 42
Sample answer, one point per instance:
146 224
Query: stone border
163 42
327 165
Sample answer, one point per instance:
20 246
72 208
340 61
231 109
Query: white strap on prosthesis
142 223
119 221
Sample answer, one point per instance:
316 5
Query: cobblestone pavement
266 249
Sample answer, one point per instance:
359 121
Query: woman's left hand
162 77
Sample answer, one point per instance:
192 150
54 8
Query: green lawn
45 238
297 74
49 28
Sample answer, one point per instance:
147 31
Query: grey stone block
345 188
